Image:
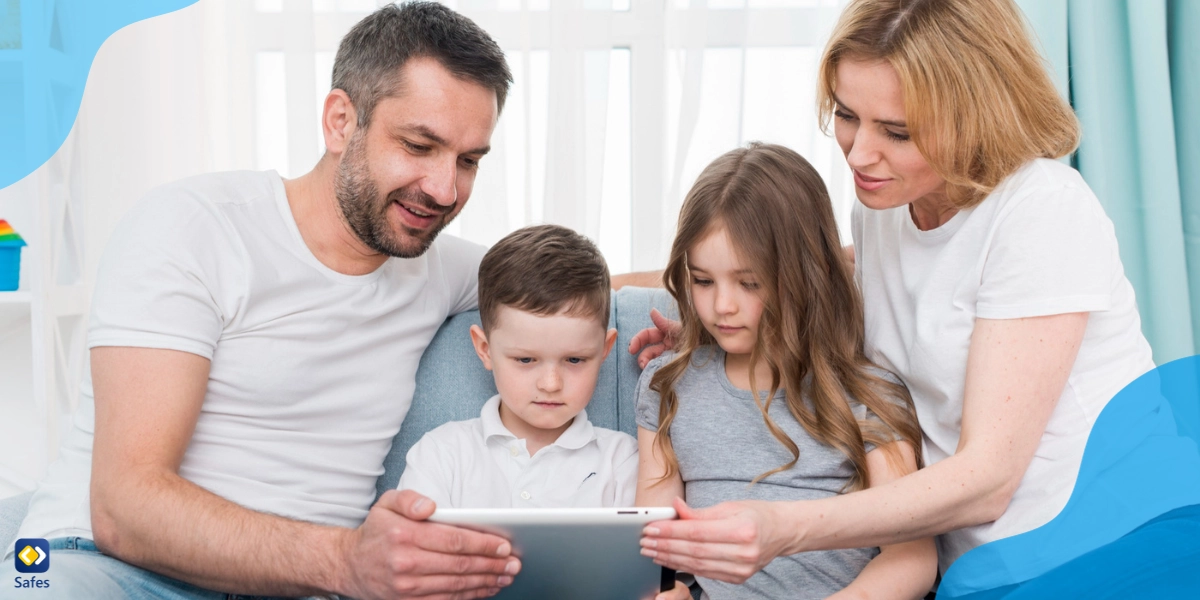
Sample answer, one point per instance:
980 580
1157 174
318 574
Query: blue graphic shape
32 555
43 77
1139 483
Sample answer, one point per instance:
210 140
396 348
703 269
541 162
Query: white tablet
577 553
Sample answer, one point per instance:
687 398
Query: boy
544 304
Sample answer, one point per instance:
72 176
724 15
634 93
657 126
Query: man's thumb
411 505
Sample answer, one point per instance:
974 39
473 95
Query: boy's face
545 368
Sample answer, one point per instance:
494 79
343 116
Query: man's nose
441 182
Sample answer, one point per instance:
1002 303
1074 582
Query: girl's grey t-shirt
722 444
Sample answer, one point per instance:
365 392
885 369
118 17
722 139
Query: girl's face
725 293
869 124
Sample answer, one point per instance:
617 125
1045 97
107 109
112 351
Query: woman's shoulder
1044 179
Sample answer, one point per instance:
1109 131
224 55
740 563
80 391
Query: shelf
15 298
14 310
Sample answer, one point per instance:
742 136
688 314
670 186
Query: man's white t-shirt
479 463
1039 245
312 370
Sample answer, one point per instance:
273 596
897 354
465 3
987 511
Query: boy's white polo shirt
480 464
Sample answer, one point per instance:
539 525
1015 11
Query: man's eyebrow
900 124
428 134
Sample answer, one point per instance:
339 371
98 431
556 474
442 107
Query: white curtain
616 108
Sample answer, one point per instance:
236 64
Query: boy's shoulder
612 437
454 432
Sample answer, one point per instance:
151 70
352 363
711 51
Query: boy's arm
429 470
904 570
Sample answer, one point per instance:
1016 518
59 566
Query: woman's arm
1016 371
905 570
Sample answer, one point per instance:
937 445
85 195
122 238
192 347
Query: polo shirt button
525 495
513 451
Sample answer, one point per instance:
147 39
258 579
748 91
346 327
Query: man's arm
147 404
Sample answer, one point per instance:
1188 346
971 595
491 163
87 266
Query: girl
768 395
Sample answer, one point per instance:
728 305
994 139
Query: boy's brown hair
544 270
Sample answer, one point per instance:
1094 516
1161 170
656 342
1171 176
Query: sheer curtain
616 107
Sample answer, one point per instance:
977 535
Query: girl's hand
728 542
653 341
681 592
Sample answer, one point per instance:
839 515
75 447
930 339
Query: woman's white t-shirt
1039 245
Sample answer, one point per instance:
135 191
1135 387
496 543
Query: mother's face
870 127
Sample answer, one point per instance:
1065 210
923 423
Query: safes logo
32 556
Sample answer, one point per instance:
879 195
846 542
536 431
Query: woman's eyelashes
895 136
701 281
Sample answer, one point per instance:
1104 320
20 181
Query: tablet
577 553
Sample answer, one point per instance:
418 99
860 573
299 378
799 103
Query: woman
992 286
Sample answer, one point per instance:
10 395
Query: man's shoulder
198 199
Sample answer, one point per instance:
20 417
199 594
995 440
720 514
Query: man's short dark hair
544 270
370 57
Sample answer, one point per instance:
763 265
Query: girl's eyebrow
692 267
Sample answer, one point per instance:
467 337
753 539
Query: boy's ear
479 340
609 339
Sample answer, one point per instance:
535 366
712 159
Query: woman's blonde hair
776 212
979 102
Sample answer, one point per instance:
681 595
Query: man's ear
609 339
339 120
479 340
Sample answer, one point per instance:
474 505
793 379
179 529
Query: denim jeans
79 570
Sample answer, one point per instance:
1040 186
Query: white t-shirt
312 370
1039 245
480 464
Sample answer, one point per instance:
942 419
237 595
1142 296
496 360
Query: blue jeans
79 570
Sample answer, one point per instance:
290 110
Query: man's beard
366 213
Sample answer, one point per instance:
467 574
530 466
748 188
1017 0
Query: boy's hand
653 341
396 553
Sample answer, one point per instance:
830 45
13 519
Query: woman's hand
653 341
728 542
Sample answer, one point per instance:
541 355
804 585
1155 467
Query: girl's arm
651 489
905 570
650 468
1016 371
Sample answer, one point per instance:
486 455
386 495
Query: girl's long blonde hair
778 216
979 101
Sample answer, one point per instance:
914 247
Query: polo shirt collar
578 435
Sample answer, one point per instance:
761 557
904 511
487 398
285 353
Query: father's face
406 176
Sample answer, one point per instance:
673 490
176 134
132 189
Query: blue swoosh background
46 51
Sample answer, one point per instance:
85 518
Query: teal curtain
1131 69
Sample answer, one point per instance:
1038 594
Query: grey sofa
452 385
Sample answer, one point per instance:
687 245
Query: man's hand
653 341
396 553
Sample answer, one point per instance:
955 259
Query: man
254 344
